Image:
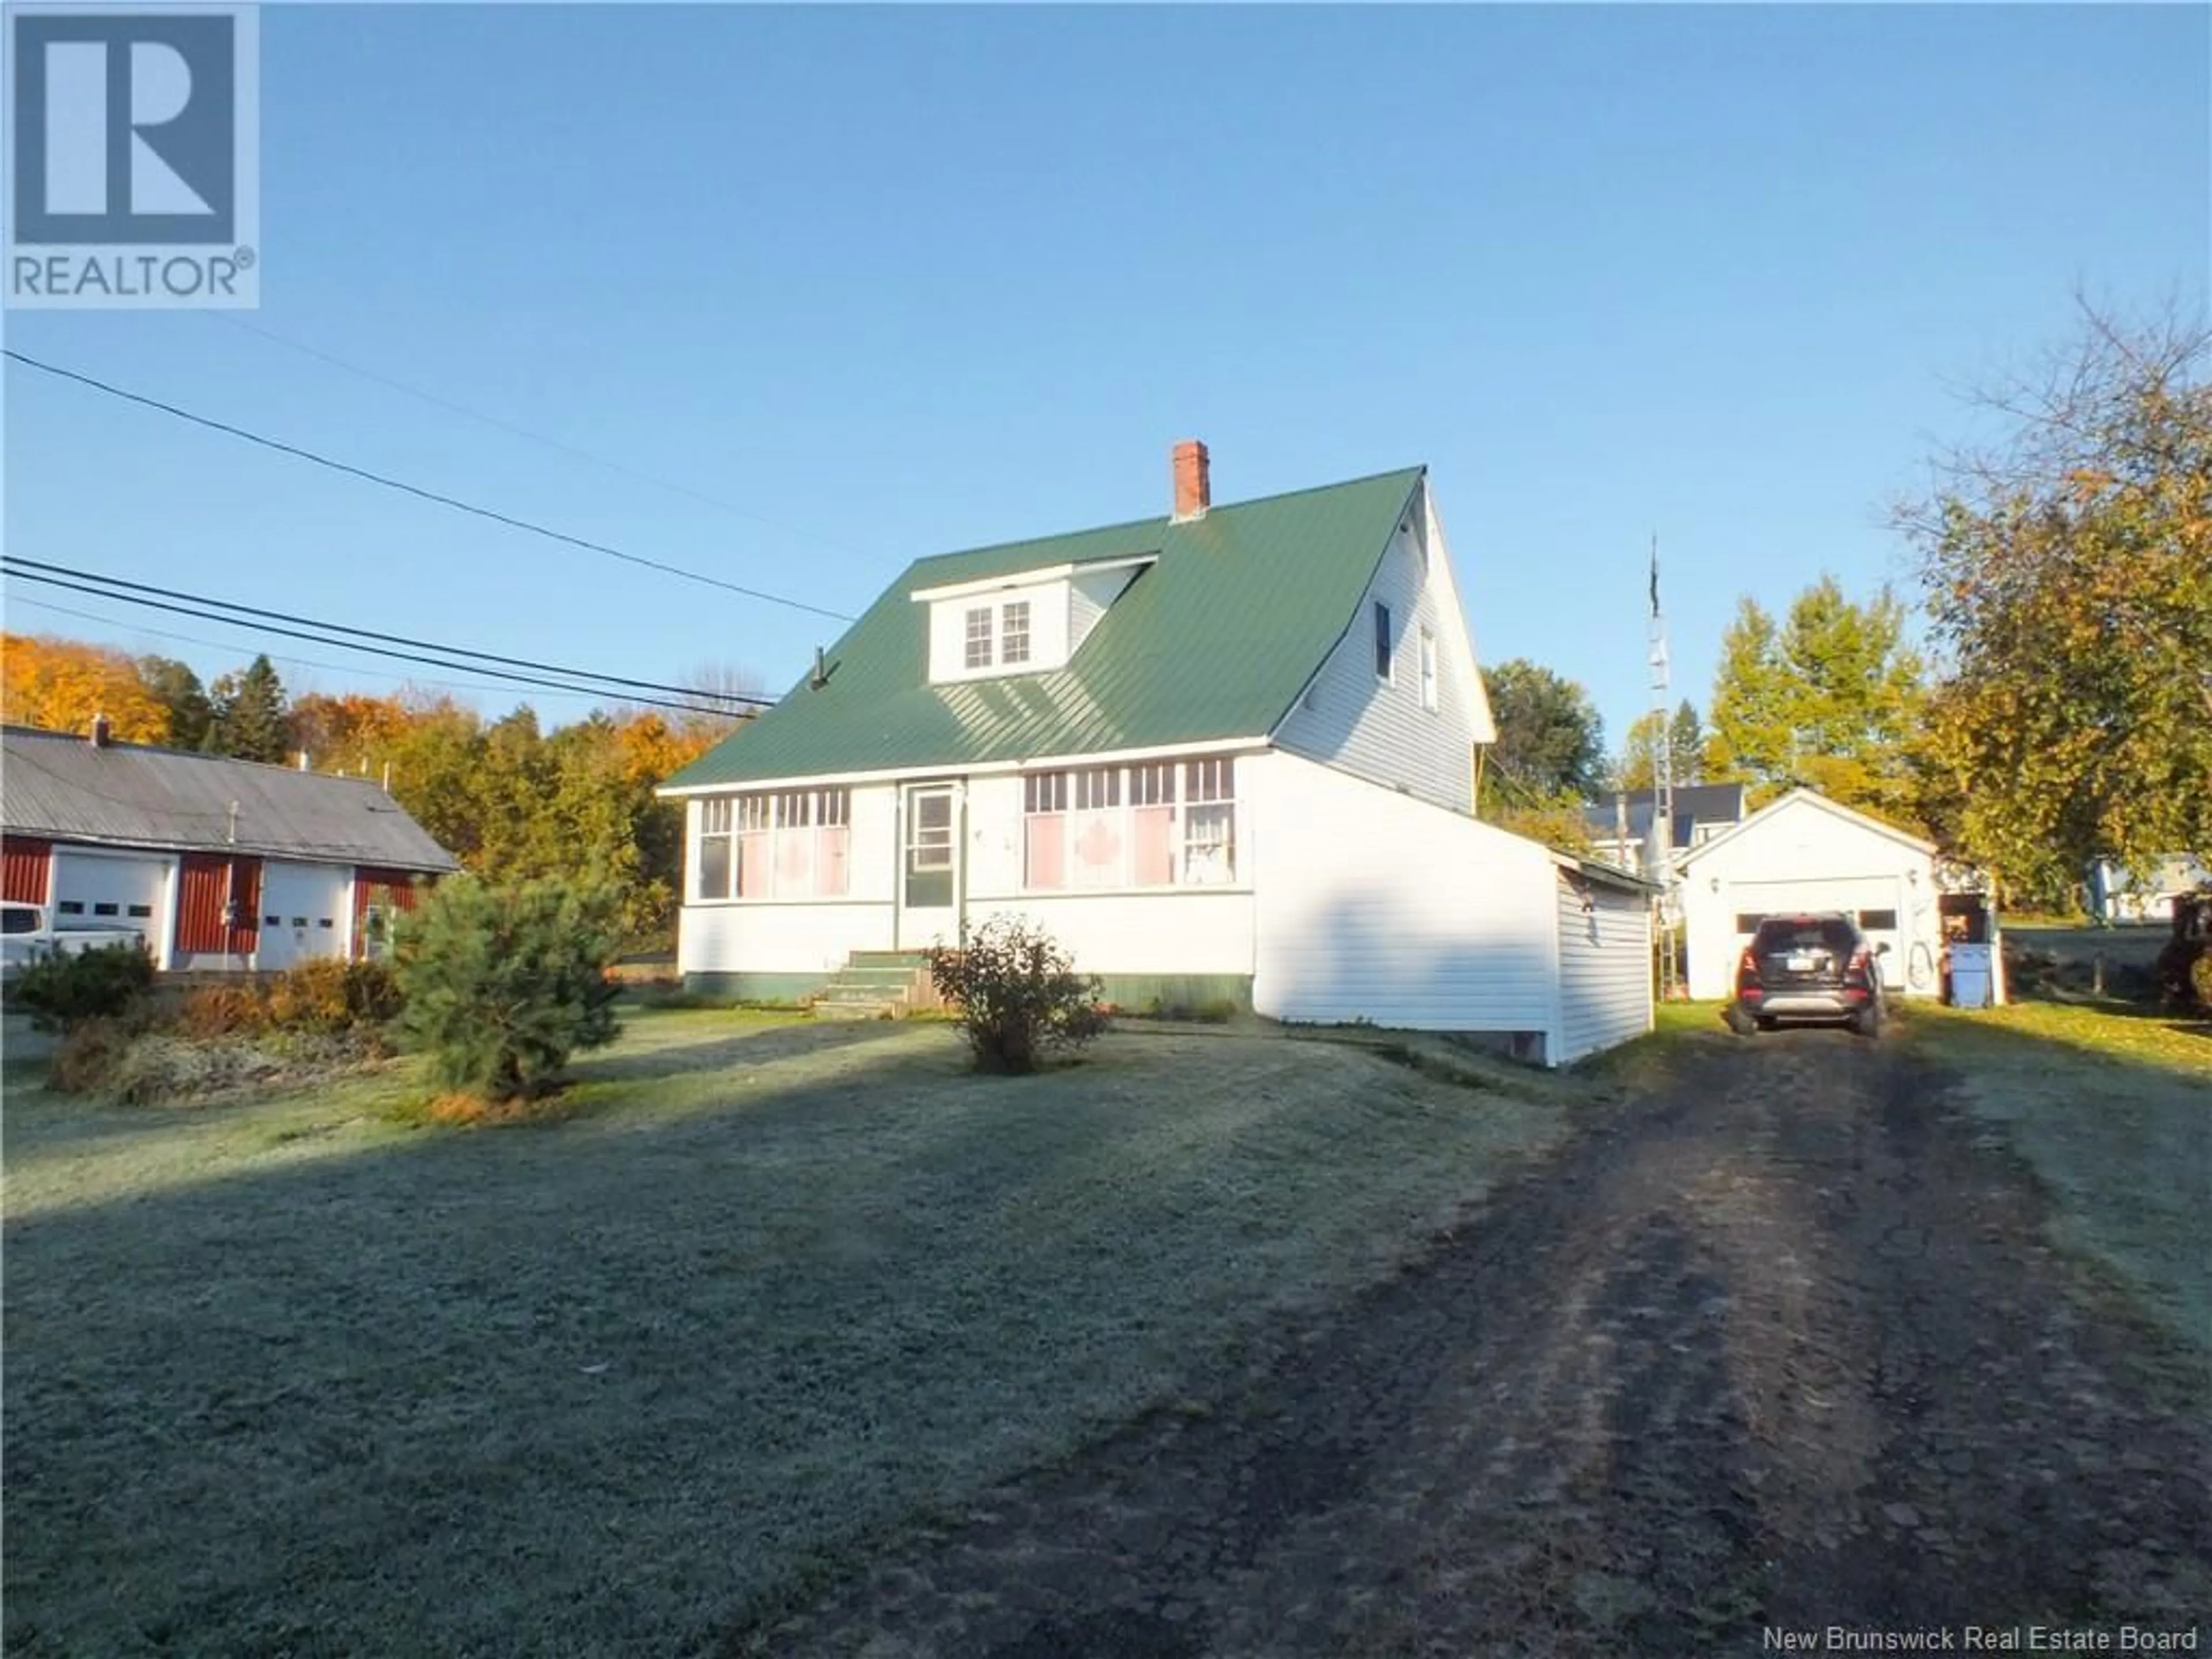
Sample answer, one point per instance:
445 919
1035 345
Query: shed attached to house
218 863
1804 853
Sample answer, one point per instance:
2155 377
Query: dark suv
1805 968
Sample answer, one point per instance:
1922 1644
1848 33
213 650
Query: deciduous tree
2068 572
1550 739
60 684
178 689
1830 698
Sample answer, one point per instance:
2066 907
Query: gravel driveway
1780 1343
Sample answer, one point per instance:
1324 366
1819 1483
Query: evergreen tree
250 719
179 690
1686 745
504 983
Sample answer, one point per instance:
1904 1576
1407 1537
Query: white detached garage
1805 852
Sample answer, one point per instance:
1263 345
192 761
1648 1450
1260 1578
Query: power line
273 656
232 320
348 645
28 565
415 490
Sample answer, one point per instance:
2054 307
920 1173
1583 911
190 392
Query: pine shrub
502 983
1018 993
61 990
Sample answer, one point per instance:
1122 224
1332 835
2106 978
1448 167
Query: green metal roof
1214 640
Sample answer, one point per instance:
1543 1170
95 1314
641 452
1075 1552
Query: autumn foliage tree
60 684
1829 696
510 799
2068 570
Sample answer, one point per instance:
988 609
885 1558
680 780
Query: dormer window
1031 622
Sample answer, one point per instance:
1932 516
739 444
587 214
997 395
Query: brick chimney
100 730
1193 489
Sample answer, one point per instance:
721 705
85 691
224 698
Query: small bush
89 1052
221 1011
2200 980
332 997
1018 993
59 991
502 984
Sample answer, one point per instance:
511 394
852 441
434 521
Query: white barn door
305 913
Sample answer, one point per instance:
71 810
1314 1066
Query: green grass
292 1376
2111 1107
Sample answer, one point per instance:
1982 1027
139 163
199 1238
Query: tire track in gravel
1777 1342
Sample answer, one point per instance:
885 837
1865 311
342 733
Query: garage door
303 912
92 891
1872 901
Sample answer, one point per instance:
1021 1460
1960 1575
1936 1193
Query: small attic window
1014 632
978 648
1383 651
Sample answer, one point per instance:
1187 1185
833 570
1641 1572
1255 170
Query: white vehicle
28 932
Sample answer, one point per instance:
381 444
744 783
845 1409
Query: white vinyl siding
1382 731
1605 966
1376 906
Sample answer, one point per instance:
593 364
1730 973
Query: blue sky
887 282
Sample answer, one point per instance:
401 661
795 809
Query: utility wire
415 490
15 563
273 656
230 320
348 645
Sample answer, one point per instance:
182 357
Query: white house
2117 896
1223 754
1806 853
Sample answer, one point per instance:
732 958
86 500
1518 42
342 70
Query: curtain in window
831 868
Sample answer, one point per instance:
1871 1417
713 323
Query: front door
929 866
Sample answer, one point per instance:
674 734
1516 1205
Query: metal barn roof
65 787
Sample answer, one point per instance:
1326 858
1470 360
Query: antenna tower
1663 793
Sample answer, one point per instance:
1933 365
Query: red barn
220 863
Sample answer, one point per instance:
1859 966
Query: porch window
718 850
793 843
755 839
977 649
1044 830
1097 831
1157 824
1209 822
1152 825
1014 632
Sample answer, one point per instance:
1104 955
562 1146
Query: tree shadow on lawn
684 1052
583 1392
